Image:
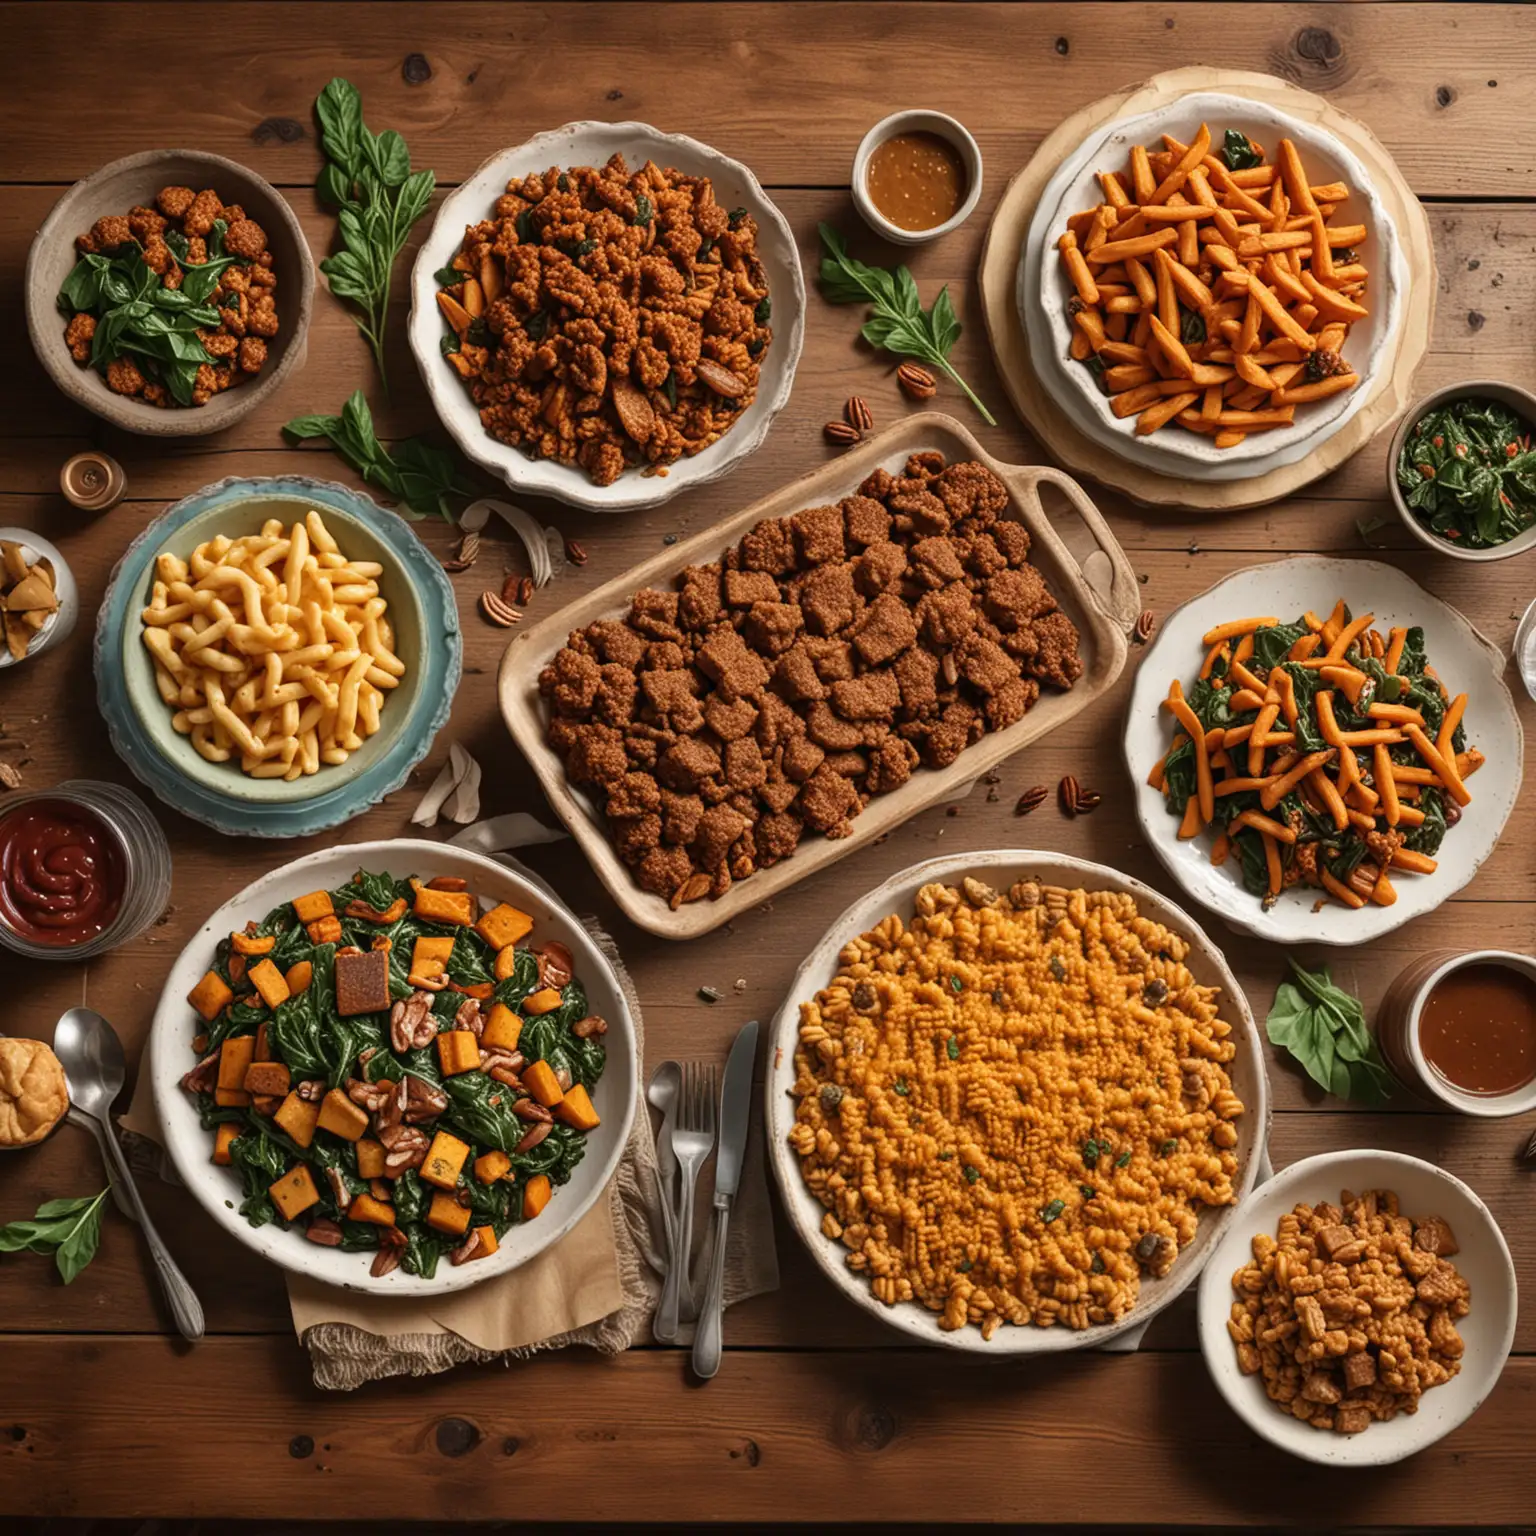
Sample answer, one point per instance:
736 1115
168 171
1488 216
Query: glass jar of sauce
1461 1028
84 867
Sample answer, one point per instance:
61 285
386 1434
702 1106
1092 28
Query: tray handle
1107 574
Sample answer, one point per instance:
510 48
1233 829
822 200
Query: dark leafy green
368 179
68 1229
899 323
1323 1028
422 478
1468 472
1238 151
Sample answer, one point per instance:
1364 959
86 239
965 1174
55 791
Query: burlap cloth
598 1286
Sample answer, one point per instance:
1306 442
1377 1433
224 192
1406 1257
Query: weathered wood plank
104 1426
1440 84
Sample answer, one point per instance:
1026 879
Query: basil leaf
70 1229
340 110
79 1247
1324 1030
1238 153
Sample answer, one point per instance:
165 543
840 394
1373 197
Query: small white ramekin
1397 1032
917 120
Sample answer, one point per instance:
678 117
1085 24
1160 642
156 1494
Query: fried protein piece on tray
820 662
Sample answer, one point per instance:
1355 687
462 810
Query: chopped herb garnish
1049 1213
527 230
953 1047
537 325
669 389
446 277
643 210
1168 1147
944 1157
1058 970
1097 1267
972 1174
964 1266
448 344
956 983
735 216
764 311
901 1087
1090 1153
1238 151
1468 473
563 182
1087 1191
1123 1159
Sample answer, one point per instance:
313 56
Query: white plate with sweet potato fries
1321 751
1175 286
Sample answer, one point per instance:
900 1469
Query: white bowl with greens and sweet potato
395 1067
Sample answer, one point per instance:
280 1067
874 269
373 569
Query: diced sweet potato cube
490 1166
545 1000
264 1105
268 981
540 1080
535 1196
231 1098
503 926
362 983
266 1078
479 990
429 957
210 996
234 1058
488 1243
295 1192
444 906
445 1160
316 905
341 1117
445 1214
250 944
370 1159
503 1029
575 1108
222 1137
298 976
457 1051
378 1213
298 1117
505 963
324 930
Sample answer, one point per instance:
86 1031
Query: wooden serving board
1388 389
1081 561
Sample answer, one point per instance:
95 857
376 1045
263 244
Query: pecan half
533 1136
311 1090
531 1109
468 1017
391 1246
424 1100
323 1230
466 1250
556 968
593 1024
504 1075
369 1096
339 1191
411 1022
407 1148
204 1076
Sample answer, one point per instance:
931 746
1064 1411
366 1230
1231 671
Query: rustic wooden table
818 1413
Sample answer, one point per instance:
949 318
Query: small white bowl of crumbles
608 315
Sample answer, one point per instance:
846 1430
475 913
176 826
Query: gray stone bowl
115 189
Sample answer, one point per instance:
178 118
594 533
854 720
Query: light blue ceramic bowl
422 610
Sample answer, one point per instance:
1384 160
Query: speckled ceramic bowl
422 610
134 181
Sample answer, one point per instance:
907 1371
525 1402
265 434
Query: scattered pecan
423 1100
593 1024
10 776
411 1022
323 1230
917 381
1075 800
691 889
1146 623
556 968
466 1250
533 1136
715 376
311 1090
531 1109
469 1017
391 914
574 552
392 1243
1031 800
504 1075
236 965
497 1057
409 1151
840 433
497 612
447 883
381 1191
858 414
468 553
204 1077
339 1191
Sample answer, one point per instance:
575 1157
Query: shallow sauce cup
919 120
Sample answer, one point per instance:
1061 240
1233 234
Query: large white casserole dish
590 143
1000 869
217 1189
1488 1329
1465 661
1043 289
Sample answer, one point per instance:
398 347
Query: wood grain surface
819 1413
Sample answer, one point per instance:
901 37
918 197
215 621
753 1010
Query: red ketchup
61 873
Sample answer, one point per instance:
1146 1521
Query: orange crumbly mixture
1015 1107
609 318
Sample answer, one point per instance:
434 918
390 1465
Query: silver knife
735 1114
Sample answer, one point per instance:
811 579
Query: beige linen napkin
598 1286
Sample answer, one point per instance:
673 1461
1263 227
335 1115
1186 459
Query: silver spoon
94 1068
665 1085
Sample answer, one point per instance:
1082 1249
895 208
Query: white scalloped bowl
592 143
1042 288
1466 662
1488 1329
1001 868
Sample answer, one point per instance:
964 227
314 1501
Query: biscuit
33 1094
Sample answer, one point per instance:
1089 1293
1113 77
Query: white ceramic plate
1489 1328
590 143
61 622
1043 289
218 1189
1465 661
1001 869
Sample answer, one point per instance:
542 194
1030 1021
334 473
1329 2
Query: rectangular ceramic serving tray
1080 560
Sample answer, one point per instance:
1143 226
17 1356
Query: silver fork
692 1140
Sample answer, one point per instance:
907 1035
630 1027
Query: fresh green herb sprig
368 178
68 1229
420 477
1323 1028
899 323
1468 472
1238 152
136 313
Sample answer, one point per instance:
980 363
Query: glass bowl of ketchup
1460 1027
83 868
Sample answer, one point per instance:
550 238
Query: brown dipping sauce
916 180
61 873
1477 1029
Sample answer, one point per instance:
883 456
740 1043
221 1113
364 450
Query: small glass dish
919 120
141 846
